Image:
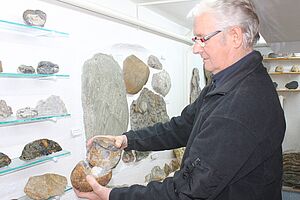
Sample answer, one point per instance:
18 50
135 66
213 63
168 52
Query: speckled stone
295 68
53 105
157 174
154 62
5 110
44 186
34 17
4 160
161 83
79 173
47 67
26 113
179 154
195 86
24 69
292 85
39 148
128 156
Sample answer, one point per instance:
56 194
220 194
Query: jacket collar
246 65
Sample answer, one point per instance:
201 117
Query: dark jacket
233 138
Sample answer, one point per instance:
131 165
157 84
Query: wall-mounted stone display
1 69
26 69
292 85
37 148
5 110
53 105
4 160
154 62
136 74
34 17
104 102
195 86
26 113
157 174
128 156
279 68
81 170
291 169
295 68
45 186
161 82
47 67
101 156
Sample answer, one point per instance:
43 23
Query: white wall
89 34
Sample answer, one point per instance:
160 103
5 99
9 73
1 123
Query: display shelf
288 90
281 73
33 76
282 58
290 189
14 121
68 188
17 164
30 30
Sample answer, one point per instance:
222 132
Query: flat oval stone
39 148
26 113
292 85
101 156
34 17
47 67
45 186
4 160
79 173
24 69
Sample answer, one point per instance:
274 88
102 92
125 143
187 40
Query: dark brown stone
4 160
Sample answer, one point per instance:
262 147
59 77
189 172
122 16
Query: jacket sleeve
217 153
163 136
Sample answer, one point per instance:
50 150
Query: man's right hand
120 141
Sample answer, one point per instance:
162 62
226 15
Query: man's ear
236 34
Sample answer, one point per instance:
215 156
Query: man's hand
119 141
99 192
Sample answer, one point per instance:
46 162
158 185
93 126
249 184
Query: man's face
216 51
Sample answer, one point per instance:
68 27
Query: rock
45 186
179 154
79 173
161 83
26 113
195 86
37 148
136 74
167 169
4 160
34 17
53 105
104 102
47 67
174 164
5 110
295 68
292 85
140 155
26 69
154 62
291 169
157 174
275 85
1 69
100 156
128 157
279 69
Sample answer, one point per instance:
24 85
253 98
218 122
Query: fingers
94 184
87 195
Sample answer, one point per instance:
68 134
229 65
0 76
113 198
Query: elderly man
233 132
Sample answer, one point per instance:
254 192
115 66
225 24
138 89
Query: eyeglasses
201 40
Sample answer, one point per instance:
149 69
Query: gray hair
230 13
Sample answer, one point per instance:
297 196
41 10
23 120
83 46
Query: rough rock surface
5 110
4 160
195 87
39 148
292 85
26 113
157 174
291 169
34 17
295 68
136 74
53 105
47 67
45 186
104 102
101 156
154 62
179 154
79 173
128 156
161 82
26 69
279 68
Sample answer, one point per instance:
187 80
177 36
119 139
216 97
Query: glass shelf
31 30
68 188
280 73
14 121
17 164
282 58
33 76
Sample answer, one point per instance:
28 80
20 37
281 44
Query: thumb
93 183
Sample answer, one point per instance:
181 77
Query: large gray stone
47 67
161 82
45 186
136 74
195 87
5 110
104 102
53 105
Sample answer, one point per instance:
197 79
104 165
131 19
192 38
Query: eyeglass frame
201 40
